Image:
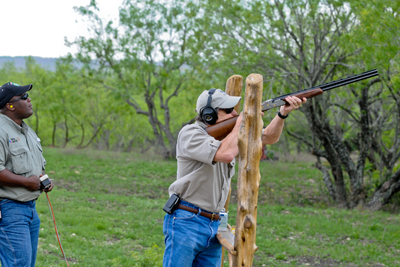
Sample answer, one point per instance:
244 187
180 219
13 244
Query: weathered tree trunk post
233 87
250 148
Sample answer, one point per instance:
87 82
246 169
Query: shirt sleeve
3 154
194 143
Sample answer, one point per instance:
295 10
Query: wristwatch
282 116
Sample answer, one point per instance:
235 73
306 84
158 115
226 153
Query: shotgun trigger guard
270 104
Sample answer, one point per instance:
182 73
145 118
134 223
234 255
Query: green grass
108 208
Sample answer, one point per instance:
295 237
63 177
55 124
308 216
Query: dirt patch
299 196
311 261
134 189
69 259
320 262
69 186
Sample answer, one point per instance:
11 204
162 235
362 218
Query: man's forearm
228 149
273 131
7 178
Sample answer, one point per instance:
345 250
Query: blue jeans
19 233
190 240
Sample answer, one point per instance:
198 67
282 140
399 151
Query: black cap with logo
9 90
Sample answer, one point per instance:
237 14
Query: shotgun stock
220 130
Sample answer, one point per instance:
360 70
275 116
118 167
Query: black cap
9 90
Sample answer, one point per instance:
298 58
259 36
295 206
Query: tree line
140 78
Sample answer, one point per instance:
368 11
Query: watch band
282 116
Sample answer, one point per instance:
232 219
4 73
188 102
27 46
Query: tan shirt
201 181
20 153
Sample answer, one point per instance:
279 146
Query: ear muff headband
208 113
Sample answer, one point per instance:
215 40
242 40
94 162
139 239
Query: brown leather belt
211 216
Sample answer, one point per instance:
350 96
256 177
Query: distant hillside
50 62
47 63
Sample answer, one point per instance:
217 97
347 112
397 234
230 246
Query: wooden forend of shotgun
220 130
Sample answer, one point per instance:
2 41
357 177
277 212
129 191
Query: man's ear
8 106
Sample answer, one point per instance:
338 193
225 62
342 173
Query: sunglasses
228 110
24 97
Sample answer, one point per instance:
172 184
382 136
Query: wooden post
250 146
233 87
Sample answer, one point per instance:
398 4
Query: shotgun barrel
317 90
220 130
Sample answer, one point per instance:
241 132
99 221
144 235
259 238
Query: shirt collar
13 124
201 124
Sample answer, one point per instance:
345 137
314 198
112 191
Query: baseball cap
220 99
10 89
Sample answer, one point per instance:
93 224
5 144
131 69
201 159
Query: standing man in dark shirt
21 165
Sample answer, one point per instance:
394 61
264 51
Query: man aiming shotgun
222 129
206 152
205 168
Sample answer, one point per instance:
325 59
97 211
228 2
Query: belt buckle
213 215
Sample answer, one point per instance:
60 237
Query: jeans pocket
184 215
14 212
5 201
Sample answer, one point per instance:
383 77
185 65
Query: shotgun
220 130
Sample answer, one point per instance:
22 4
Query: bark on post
233 87
250 148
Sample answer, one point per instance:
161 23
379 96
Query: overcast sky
38 27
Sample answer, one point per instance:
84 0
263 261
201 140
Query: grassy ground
108 209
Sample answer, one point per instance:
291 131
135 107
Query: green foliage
281 256
148 59
378 20
69 109
151 257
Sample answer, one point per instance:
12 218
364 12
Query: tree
301 44
377 33
147 58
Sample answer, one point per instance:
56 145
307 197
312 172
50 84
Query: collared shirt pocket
20 161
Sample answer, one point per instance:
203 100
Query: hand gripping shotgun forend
220 130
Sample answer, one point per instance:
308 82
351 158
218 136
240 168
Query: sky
38 27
